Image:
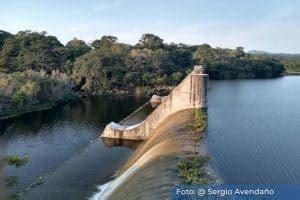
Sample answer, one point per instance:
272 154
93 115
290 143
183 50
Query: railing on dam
190 93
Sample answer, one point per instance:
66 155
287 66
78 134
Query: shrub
19 98
192 170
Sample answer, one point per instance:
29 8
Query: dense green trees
236 64
105 41
76 48
113 66
100 70
36 68
150 41
291 62
31 50
30 90
3 36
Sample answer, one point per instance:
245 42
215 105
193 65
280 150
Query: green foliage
12 181
100 69
22 91
199 121
150 41
105 42
235 64
107 66
76 48
19 98
291 62
15 160
31 50
193 170
3 36
198 124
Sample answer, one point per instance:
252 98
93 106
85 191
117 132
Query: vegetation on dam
170 152
192 169
198 124
37 71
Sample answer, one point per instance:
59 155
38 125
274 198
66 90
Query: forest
38 71
290 61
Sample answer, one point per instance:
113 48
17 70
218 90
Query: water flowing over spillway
151 171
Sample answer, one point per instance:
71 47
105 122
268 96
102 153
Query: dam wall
190 93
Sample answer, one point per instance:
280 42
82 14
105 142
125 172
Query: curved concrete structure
190 93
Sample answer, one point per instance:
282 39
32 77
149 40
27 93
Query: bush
192 170
30 90
198 124
19 98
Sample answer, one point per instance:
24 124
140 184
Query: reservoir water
64 150
253 137
254 130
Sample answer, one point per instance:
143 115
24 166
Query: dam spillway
190 93
151 171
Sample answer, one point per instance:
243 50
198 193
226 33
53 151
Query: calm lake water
64 148
254 130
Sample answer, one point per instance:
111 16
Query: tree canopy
236 64
31 50
107 65
36 68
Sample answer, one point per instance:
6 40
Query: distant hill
291 62
257 52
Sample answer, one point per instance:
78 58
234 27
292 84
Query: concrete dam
167 138
190 93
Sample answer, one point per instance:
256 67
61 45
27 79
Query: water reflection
60 138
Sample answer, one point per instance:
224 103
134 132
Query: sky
268 25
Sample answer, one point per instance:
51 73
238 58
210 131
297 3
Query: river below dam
252 137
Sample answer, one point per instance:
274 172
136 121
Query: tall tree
105 41
150 41
76 48
3 35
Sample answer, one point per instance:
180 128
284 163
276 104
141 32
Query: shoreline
288 73
50 105
40 107
32 110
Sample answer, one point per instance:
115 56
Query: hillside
291 62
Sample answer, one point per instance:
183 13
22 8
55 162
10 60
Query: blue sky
271 25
